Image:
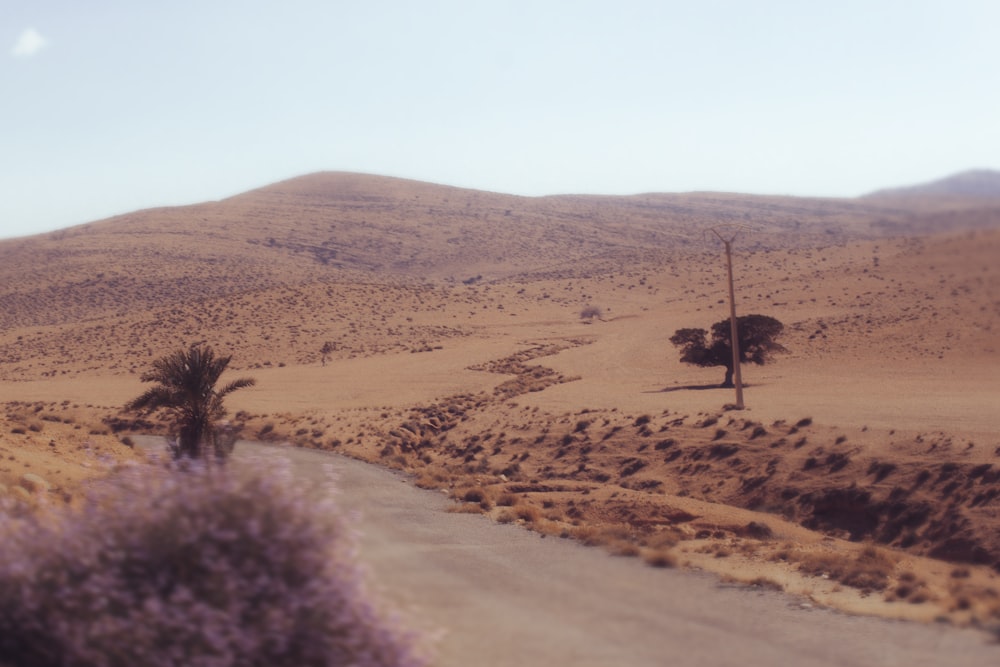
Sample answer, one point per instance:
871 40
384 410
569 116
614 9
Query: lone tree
325 351
756 334
186 389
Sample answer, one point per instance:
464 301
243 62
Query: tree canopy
756 335
185 387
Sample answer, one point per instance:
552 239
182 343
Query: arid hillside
516 352
277 269
975 184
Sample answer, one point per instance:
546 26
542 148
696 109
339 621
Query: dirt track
504 596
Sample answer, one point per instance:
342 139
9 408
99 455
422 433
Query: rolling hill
351 228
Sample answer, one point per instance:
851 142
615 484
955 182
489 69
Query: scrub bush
196 566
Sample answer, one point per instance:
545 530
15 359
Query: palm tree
186 389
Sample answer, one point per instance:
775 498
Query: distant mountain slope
359 228
376 264
977 183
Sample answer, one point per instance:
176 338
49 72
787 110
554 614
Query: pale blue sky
110 106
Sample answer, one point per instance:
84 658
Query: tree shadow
688 387
691 387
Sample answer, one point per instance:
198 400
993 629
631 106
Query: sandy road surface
504 596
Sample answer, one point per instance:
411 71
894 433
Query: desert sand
863 475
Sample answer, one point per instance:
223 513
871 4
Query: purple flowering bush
201 567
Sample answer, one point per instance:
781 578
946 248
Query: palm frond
154 398
242 383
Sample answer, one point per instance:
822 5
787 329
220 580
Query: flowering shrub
202 567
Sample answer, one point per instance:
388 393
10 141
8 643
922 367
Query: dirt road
504 596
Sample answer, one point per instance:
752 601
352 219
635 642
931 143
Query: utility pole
727 241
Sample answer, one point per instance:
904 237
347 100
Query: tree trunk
191 436
728 382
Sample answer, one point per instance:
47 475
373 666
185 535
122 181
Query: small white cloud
29 43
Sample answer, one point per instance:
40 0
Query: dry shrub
666 537
911 589
587 535
507 499
506 516
432 479
527 513
660 558
593 536
547 527
868 571
624 548
193 566
465 508
757 530
478 495
473 495
765 582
